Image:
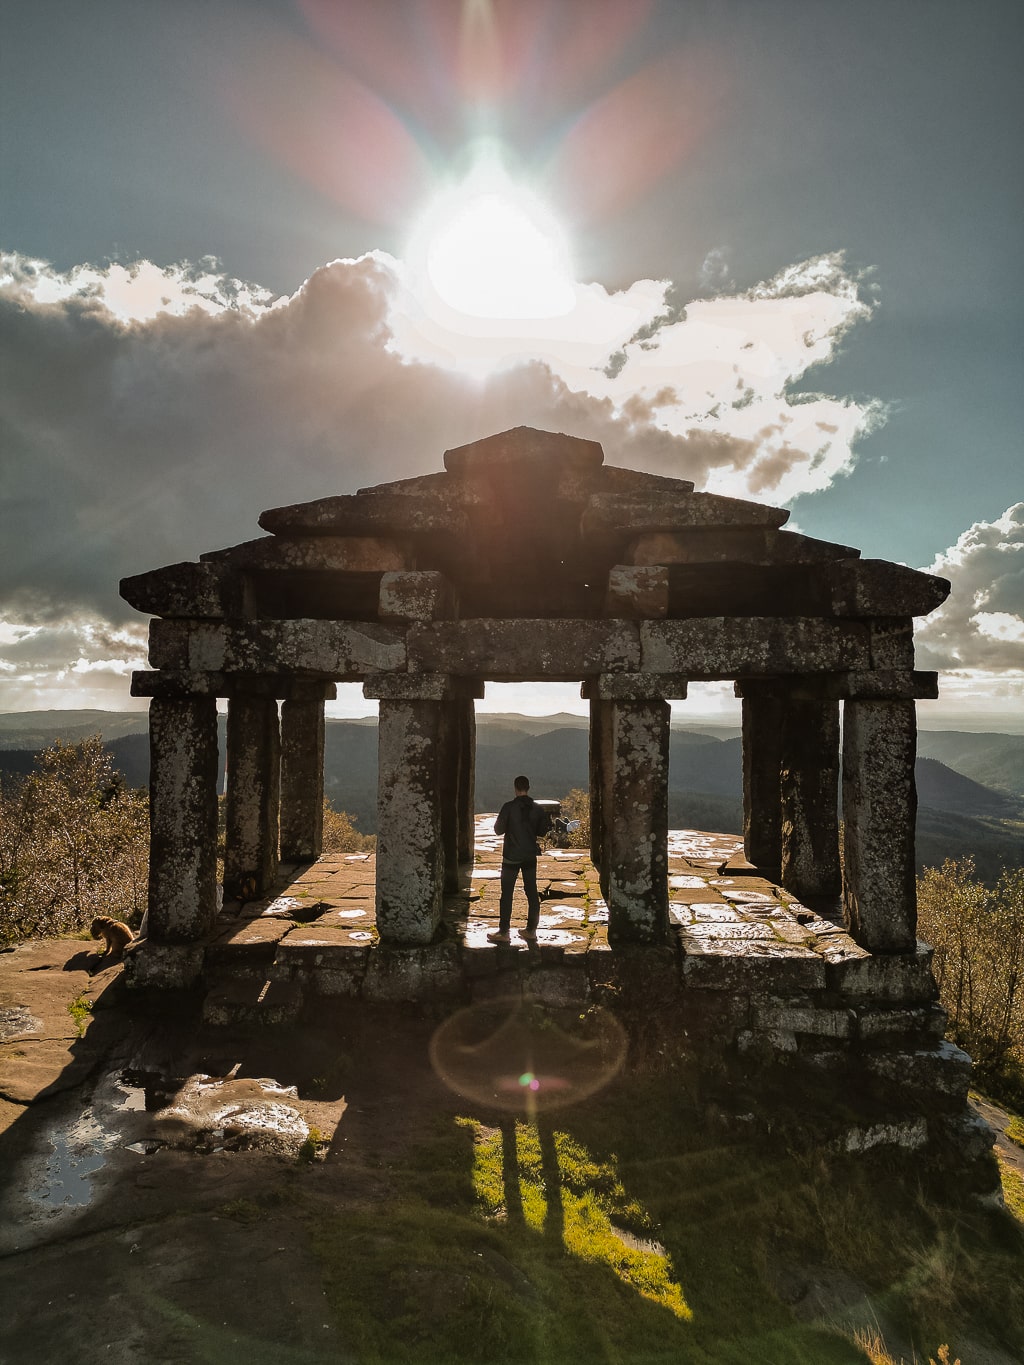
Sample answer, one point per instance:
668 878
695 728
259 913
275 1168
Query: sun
491 248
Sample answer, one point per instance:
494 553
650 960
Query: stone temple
530 559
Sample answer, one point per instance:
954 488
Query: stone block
496 649
334 648
548 450
714 1017
886 978
799 1017
421 687
635 687
429 974
364 514
637 592
619 513
163 966
646 976
352 554
939 1076
699 545
876 587
246 943
426 596
558 986
908 1134
191 590
892 644
269 1003
723 647
753 967
920 1023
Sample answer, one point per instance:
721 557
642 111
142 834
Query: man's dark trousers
509 873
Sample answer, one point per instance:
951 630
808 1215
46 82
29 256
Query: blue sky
791 233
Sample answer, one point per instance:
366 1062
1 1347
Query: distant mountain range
970 786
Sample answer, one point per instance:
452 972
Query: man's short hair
522 784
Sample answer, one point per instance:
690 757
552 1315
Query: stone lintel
883 685
876 587
421 687
634 687
187 589
183 683
699 545
364 514
637 591
356 554
524 445
727 647
336 649
539 649
620 514
892 643
426 596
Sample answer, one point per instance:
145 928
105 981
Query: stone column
600 737
762 770
182 818
410 856
810 798
635 801
302 779
253 796
448 792
879 812
465 726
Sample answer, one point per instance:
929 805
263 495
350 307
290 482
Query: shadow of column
554 1223
510 1173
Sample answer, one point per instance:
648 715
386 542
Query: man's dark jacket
522 822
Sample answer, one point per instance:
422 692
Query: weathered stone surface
420 687
561 986
762 769
622 513
734 588
637 592
877 685
358 554
939 1073
763 969
333 648
500 649
875 587
892 643
430 973
880 1026
699 545
524 445
163 966
363 514
879 811
800 1017
809 788
246 943
887 978
909 1134
638 976
635 687
253 797
723 647
410 855
615 479
635 847
790 547
423 596
182 819
201 590
183 683
302 780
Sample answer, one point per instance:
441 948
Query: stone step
249 1000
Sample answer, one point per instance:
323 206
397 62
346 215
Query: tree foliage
341 835
74 843
978 936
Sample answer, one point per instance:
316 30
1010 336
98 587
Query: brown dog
116 935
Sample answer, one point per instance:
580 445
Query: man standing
522 822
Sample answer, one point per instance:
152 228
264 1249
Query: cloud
152 413
981 625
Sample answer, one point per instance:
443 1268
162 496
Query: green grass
625 1230
1015 1131
80 1008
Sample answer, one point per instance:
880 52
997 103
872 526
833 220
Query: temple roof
531 524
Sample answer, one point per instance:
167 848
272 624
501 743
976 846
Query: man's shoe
498 936
529 934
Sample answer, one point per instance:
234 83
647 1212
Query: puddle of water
79 1152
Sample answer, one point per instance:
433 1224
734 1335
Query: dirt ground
138 1234
155 1205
